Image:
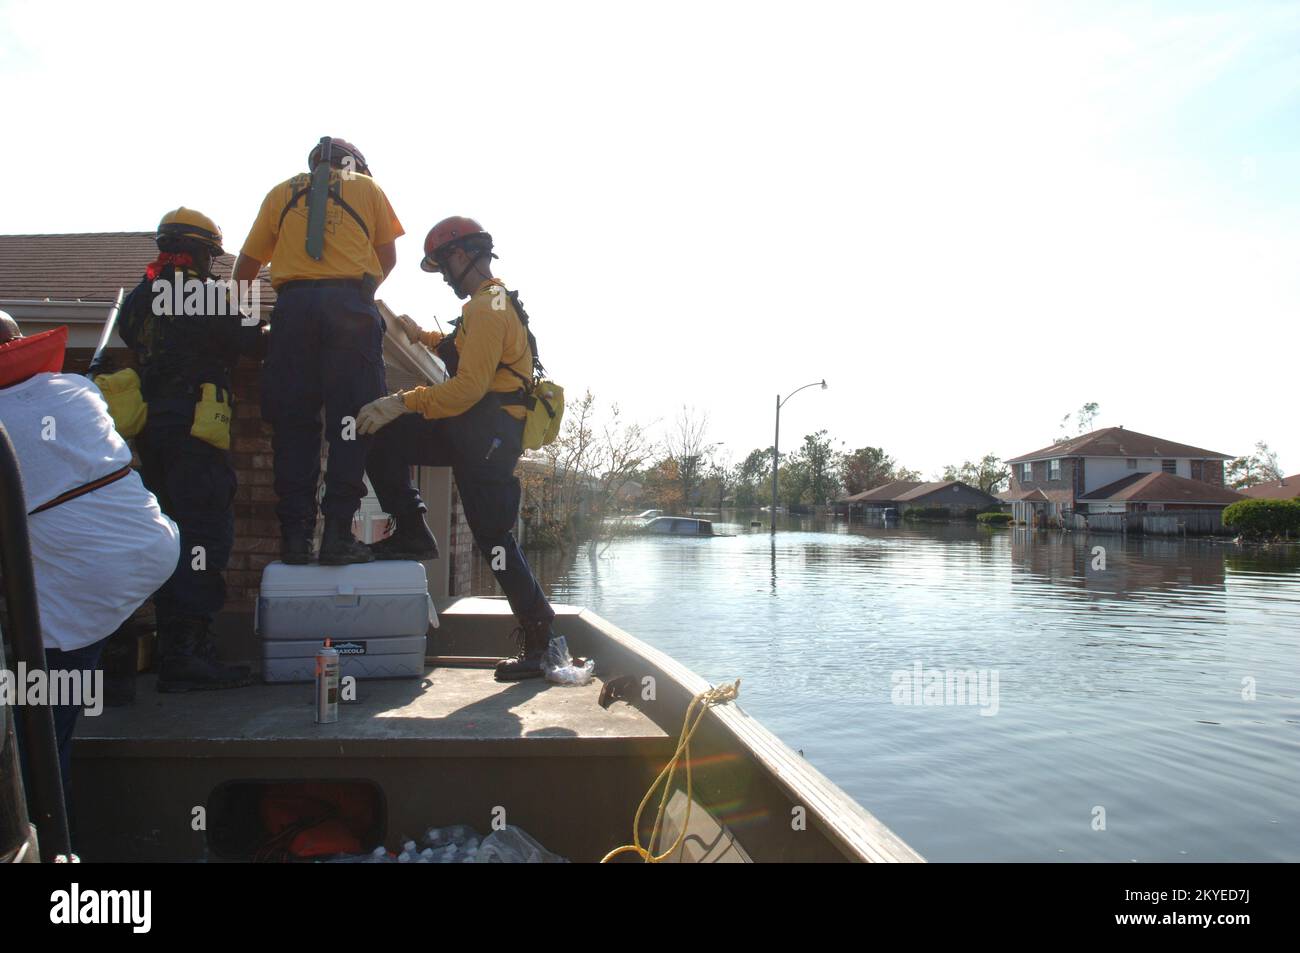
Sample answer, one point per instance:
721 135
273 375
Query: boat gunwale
854 830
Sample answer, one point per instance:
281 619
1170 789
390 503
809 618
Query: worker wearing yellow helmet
329 237
185 359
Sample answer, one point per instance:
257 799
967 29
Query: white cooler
376 614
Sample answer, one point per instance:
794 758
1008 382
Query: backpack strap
335 194
83 490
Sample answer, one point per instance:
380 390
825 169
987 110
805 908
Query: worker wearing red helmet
327 257
472 422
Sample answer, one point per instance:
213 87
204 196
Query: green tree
792 482
819 460
752 478
866 469
990 474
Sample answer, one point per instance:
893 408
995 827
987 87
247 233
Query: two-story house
1114 470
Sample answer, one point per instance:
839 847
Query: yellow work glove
414 333
380 413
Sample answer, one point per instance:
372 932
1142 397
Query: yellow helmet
186 226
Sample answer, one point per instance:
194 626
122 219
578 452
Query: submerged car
680 526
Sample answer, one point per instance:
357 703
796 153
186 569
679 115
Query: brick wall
1061 491
461 550
1208 471
257 530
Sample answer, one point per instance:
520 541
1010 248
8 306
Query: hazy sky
969 218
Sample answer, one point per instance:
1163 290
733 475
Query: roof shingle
1287 489
1162 488
1118 442
88 266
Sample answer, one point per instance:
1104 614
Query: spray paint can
327 685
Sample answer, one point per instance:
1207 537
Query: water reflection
1158 682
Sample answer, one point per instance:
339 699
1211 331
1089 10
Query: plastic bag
560 668
511 845
457 834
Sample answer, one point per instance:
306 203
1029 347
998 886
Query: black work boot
295 545
412 539
189 660
533 638
338 547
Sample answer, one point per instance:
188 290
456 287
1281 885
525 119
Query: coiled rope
717 695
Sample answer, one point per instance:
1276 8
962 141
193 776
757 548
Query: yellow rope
713 696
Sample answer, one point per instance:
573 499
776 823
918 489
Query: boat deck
452 711
179 777
452 747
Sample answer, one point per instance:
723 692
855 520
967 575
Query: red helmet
338 149
454 229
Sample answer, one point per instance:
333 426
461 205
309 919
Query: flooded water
997 694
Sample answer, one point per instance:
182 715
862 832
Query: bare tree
687 446
1084 418
573 484
622 451
1255 468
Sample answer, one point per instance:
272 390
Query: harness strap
82 490
336 195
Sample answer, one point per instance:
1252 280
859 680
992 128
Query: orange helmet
449 230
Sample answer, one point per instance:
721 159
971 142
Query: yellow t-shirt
348 252
490 334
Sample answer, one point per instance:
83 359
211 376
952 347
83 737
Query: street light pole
776 441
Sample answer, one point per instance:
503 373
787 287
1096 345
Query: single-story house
902 495
1287 488
51 280
1090 474
880 497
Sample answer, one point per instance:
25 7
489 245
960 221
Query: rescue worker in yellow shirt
474 423
329 237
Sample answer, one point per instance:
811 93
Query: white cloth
98 557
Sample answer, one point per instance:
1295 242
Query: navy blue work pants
195 485
326 351
482 447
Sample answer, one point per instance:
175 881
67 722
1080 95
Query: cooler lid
386 577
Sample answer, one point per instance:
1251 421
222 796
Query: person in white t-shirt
100 544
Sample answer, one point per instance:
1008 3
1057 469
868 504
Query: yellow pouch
212 417
542 423
125 401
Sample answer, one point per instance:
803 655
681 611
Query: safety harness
542 400
446 350
333 193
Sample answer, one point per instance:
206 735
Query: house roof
87 266
1162 488
885 493
1287 489
1023 496
82 267
1118 442
925 489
